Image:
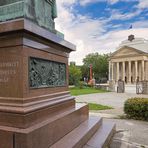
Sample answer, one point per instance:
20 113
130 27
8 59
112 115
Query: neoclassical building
130 61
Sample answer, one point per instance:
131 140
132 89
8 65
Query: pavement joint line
122 130
131 143
90 146
106 115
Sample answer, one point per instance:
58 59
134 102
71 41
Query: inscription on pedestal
7 69
45 73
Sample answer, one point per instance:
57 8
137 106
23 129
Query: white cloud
113 1
140 24
105 43
80 30
116 1
82 33
112 39
85 2
117 15
143 4
88 34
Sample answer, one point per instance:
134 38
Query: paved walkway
116 100
129 133
113 99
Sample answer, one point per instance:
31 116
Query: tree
74 75
99 63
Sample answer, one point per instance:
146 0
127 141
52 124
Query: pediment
126 51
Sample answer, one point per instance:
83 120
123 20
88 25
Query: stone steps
93 133
47 132
69 129
102 137
80 135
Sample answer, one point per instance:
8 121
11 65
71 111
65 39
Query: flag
131 26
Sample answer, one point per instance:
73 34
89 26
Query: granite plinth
19 40
6 139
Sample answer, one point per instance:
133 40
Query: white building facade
130 61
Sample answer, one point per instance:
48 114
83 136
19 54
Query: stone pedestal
30 113
40 114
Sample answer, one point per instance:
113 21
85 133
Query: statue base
40 117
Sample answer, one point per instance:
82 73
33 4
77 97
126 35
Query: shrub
137 108
74 75
81 84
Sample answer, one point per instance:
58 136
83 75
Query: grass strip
83 91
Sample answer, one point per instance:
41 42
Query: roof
140 44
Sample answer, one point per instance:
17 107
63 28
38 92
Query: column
112 65
117 71
146 72
143 70
123 71
109 76
136 70
129 71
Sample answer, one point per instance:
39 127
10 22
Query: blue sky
116 14
100 25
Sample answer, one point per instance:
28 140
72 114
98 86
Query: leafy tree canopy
99 63
74 74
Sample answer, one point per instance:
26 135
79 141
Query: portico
129 71
130 62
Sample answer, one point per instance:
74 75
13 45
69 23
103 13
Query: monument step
78 110
80 135
51 130
102 137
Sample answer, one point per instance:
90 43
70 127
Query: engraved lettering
9 64
7 69
4 80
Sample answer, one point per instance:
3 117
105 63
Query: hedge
136 108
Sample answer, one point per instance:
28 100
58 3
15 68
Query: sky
100 25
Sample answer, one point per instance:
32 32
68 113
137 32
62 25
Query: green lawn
77 91
93 106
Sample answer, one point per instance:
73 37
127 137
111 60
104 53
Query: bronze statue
42 12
